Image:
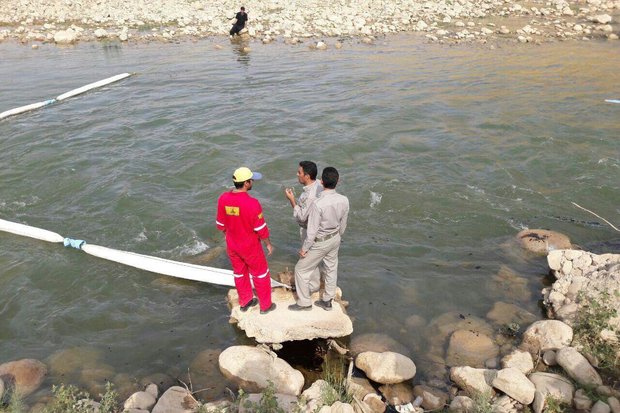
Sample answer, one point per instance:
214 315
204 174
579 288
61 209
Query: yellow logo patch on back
260 216
232 210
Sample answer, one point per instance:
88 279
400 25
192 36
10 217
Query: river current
444 152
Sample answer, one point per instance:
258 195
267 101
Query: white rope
144 262
64 96
598 216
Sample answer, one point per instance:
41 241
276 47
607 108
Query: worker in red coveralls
241 218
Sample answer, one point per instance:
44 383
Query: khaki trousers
307 276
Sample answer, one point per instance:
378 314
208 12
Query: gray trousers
307 276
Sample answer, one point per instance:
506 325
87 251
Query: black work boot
325 305
250 303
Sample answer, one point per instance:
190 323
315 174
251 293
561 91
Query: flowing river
444 152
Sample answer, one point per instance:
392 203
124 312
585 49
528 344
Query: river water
444 152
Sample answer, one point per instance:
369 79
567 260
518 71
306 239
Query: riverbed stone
541 241
519 359
505 313
509 285
546 335
175 400
387 367
25 375
549 358
65 36
473 381
378 343
614 404
432 398
468 348
600 407
360 387
140 400
205 374
549 384
283 325
578 367
397 394
441 327
515 384
581 401
462 404
252 368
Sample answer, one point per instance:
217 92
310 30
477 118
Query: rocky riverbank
495 364
306 21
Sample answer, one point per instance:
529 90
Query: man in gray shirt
327 221
306 175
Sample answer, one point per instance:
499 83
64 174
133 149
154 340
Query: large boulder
519 359
515 384
468 348
473 381
387 367
553 385
376 342
283 325
578 367
546 335
176 400
252 368
541 241
24 376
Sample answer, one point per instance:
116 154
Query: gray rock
462 404
175 400
600 407
473 381
549 358
253 368
152 389
547 335
65 36
614 404
283 325
387 367
542 241
577 366
581 401
515 384
519 359
140 400
554 385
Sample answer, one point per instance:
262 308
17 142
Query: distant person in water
241 17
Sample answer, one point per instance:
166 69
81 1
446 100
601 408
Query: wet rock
253 368
467 348
600 407
397 394
577 366
581 401
510 285
519 359
24 376
515 384
288 403
374 402
462 404
547 335
441 327
283 325
204 373
387 367
504 314
432 399
549 384
473 381
65 36
549 358
69 361
542 241
175 400
378 343
140 400
360 387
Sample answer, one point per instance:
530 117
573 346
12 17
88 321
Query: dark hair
330 177
309 168
238 185
242 8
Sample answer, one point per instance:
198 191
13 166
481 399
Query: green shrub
335 374
14 404
594 316
70 399
482 402
553 405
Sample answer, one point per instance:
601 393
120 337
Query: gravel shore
298 21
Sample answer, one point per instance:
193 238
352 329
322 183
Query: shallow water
444 152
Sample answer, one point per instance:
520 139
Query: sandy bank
448 21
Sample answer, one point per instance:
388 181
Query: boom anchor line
156 265
64 96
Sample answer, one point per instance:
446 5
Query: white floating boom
64 96
143 262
